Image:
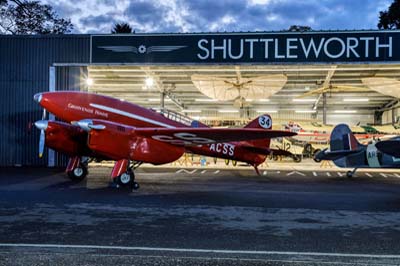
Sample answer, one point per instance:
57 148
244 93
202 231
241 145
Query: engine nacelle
118 142
66 138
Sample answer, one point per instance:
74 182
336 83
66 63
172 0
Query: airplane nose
42 124
37 97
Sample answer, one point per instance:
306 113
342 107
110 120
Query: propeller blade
44 114
42 125
41 143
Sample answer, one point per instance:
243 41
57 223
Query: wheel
316 151
226 161
135 186
234 163
79 173
296 158
349 174
317 160
307 151
127 178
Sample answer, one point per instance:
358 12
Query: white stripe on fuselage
123 113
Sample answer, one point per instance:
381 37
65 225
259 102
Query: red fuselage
75 106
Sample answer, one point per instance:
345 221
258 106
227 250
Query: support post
52 87
162 99
393 116
324 108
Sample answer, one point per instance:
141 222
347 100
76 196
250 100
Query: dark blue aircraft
346 151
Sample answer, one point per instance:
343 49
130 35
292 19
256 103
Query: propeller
42 126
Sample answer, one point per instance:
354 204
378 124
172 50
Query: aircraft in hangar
103 127
346 151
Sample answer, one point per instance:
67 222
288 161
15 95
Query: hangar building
218 78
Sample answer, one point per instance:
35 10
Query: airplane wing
391 147
197 136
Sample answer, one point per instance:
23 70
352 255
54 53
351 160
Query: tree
299 28
122 28
390 19
31 17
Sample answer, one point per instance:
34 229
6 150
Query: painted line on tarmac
189 250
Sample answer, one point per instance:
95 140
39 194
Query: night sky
95 16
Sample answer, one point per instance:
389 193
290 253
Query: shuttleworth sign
247 48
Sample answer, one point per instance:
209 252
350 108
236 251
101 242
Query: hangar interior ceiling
129 83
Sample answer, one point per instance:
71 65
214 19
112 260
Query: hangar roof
128 82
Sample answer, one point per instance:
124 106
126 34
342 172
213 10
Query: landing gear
350 174
79 173
77 168
127 178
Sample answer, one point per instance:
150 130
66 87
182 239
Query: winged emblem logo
141 49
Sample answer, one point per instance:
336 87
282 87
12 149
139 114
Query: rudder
342 139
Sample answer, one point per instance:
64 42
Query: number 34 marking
265 121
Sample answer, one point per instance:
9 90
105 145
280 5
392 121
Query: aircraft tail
263 121
342 139
342 143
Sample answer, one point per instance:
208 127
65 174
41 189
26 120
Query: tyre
317 160
126 178
135 186
307 149
349 174
79 173
296 158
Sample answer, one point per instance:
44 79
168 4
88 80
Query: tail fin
342 144
343 139
263 121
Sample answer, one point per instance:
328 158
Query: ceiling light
89 82
356 100
304 100
305 111
149 82
263 100
306 88
205 100
267 111
345 111
199 117
228 111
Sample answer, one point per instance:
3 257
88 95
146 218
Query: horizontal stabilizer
334 155
391 147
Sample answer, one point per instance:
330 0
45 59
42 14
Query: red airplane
102 127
